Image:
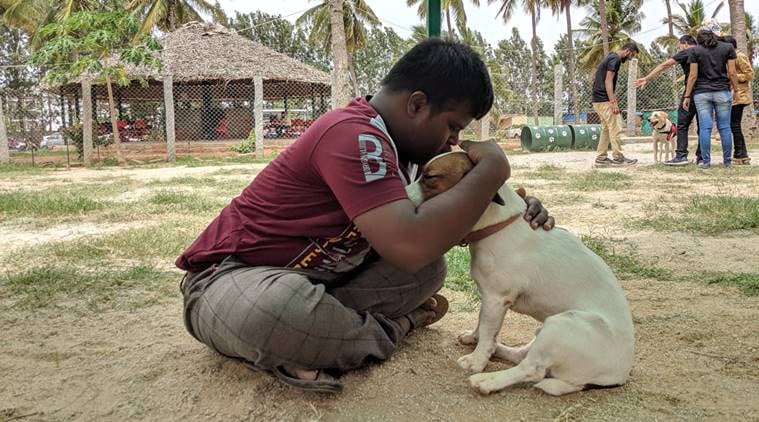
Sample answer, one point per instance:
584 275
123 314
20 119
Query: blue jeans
707 103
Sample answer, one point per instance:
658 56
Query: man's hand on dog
490 154
536 215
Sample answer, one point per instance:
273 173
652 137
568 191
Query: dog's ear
498 200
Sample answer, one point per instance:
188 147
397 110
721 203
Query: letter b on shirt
370 149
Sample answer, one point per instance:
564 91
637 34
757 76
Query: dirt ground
697 345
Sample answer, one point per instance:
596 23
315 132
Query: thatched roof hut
200 53
213 71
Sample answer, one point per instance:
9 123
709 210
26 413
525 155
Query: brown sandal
440 308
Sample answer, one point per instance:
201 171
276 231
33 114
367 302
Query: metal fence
225 118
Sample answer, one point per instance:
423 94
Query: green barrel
540 138
586 136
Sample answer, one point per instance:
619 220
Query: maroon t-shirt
298 211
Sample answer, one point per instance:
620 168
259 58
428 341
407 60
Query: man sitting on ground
323 263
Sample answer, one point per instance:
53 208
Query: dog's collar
480 234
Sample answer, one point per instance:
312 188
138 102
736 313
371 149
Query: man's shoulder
682 55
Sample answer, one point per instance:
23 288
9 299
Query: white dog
664 133
587 335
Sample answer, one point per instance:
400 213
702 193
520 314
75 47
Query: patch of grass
704 214
13 169
47 203
564 199
599 180
175 201
458 278
546 172
236 171
96 286
599 204
184 181
623 259
748 283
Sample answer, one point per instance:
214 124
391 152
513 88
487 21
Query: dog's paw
473 362
468 338
485 382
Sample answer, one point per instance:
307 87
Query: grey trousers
273 316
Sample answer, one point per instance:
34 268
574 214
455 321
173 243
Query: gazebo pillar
168 101
5 157
258 86
87 122
62 103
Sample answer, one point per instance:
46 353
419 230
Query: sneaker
704 166
624 161
677 161
603 162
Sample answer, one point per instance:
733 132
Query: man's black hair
707 38
730 40
687 39
631 46
445 71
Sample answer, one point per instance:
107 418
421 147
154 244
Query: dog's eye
430 176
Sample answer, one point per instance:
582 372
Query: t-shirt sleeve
695 55
682 56
731 52
612 64
358 163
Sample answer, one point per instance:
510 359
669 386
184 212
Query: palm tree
341 86
624 18
738 24
604 25
168 15
356 16
558 6
506 11
30 15
451 7
693 14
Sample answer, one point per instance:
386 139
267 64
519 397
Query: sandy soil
697 351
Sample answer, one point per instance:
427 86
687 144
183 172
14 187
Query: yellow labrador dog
587 335
664 133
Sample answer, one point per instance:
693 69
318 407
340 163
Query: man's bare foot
303 374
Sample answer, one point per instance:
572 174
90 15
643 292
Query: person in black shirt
605 104
684 117
712 74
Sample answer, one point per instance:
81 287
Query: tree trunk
114 122
448 20
669 19
341 89
534 68
738 25
604 28
575 107
171 9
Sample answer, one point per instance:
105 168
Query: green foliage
623 20
599 180
246 146
623 259
46 204
706 214
748 283
383 48
75 136
357 15
280 35
42 286
100 43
